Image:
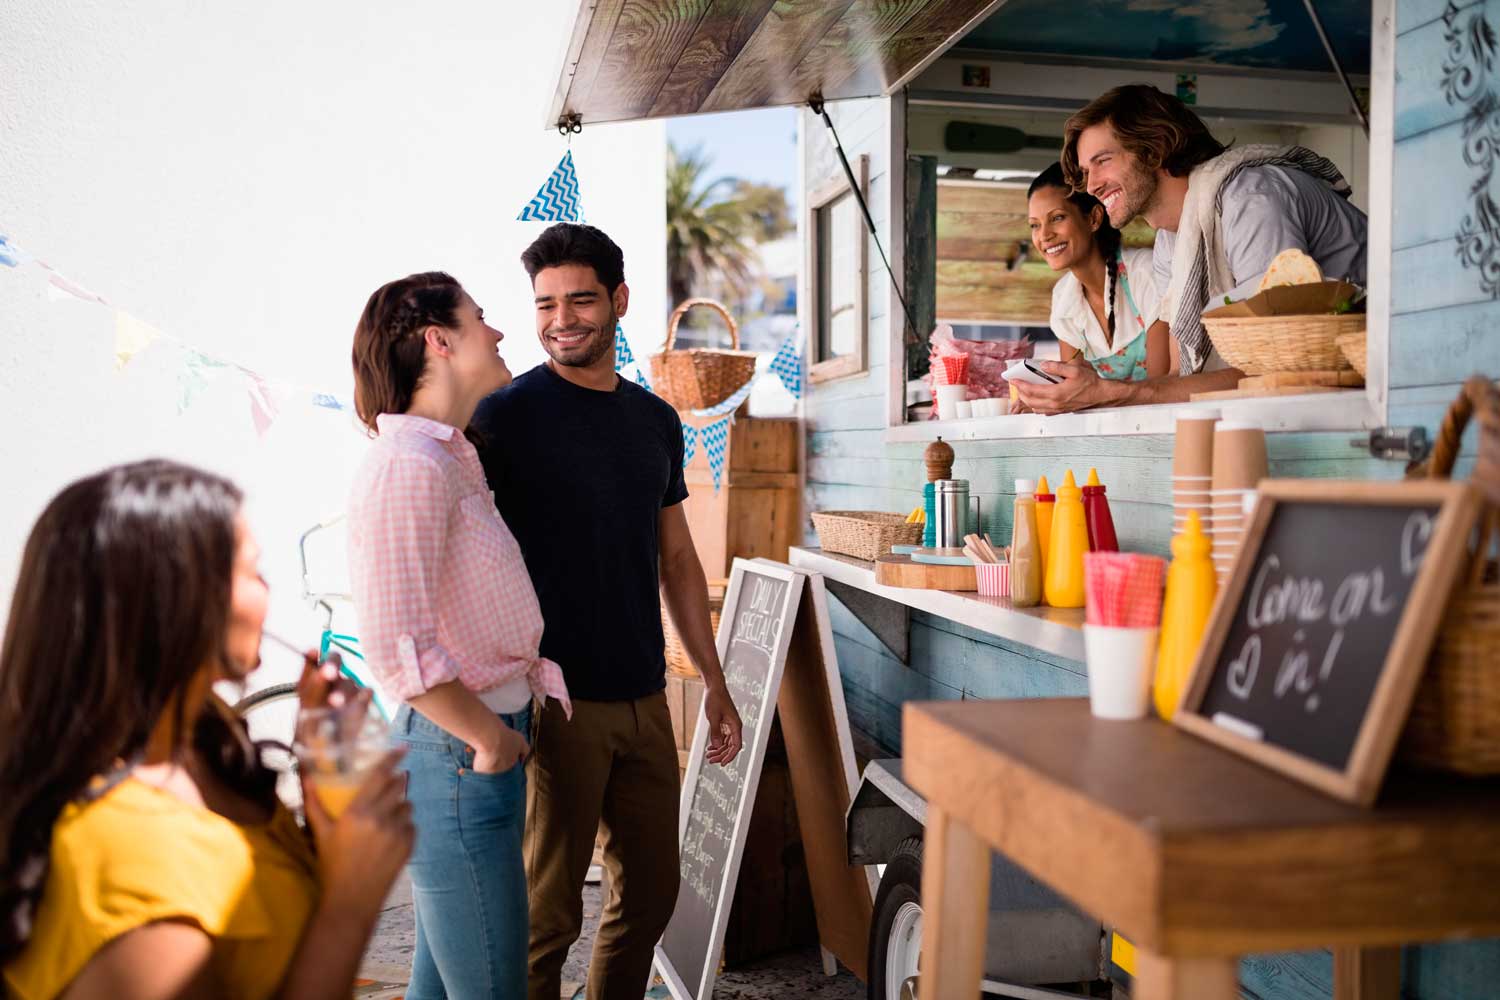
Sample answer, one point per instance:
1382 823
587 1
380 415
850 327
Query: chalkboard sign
1319 638
755 629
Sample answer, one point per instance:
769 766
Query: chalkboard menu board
754 631
1320 636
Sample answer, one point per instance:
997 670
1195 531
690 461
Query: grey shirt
1270 209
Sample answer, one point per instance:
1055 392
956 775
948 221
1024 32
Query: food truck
922 122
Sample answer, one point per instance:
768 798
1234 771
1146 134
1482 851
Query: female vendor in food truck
1104 307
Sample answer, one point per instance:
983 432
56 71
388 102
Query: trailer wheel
896 931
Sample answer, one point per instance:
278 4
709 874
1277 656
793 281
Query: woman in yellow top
143 855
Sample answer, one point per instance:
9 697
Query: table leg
1160 978
955 908
1366 973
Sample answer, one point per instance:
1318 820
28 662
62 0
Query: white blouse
1074 322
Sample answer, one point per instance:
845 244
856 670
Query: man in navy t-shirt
587 472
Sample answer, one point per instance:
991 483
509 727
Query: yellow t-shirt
140 854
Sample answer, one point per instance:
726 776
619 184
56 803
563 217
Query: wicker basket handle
680 311
1478 396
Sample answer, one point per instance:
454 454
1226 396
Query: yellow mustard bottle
1044 507
1025 549
1190 597
1066 547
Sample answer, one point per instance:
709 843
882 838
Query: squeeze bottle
1025 549
1063 585
1044 502
1190 597
1096 514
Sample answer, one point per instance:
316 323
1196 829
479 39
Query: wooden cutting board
1286 390
1347 378
900 571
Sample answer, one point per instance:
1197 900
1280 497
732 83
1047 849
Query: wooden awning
633 59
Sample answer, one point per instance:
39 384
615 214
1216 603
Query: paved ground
796 974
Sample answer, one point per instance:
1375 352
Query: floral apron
1128 364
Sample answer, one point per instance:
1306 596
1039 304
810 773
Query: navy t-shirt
581 477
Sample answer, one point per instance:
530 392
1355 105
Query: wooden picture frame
1380 726
820 368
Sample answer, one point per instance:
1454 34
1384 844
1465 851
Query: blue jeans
468 881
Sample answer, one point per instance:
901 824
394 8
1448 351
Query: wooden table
1193 853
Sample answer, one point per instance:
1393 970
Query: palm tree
712 227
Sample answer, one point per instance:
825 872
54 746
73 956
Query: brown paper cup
1193 443
1239 456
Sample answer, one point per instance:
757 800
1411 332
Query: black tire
275 745
901 884
273 693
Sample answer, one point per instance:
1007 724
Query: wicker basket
678 661
1260 345
1353 346
864 534
1455 718
698 378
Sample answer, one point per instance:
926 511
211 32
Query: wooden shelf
1058 631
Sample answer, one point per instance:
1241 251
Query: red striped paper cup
994 579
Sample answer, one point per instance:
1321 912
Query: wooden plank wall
1445 326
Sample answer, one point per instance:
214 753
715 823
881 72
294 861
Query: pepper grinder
938 457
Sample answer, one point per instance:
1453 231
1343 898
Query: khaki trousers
612 769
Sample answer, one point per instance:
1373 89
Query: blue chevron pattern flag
689 443
641 379
716 445
557 200
788 365
10 254
623 356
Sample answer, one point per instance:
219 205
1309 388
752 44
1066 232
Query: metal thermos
952 512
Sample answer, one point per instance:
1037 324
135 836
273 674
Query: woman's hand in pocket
361 852
508 749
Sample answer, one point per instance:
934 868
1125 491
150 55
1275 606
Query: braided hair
1107 238
390 358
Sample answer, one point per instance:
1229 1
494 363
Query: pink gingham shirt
440 587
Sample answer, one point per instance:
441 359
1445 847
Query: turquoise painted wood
1445 326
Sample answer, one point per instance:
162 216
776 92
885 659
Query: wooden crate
755 512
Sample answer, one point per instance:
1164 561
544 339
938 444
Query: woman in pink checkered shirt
450 625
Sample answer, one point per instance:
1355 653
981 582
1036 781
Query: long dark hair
122 598
390 356
1107 238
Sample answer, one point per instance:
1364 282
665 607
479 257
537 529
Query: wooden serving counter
1195 854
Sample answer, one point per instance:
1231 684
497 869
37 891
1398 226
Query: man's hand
1080 388
723 725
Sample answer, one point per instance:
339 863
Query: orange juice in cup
336 749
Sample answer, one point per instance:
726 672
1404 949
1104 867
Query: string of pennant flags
198 369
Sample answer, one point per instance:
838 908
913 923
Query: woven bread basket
1353 346
1455 717
698 378
864 534
1260 345
678 661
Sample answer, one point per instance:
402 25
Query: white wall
242 175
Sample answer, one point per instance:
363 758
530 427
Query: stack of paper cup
1239 464
1192 467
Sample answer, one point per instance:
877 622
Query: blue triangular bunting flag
788 365
557 200
689 444
623 356
715 445
641 379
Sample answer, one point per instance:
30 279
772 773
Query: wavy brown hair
1156 128
123 597
390 353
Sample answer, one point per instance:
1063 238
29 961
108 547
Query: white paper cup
948 398
963 409
1120 665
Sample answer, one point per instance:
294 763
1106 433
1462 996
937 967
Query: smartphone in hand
1039 373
